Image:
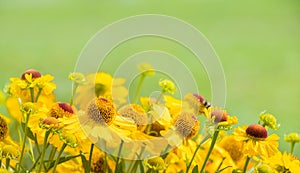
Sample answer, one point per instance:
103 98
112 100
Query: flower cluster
42 134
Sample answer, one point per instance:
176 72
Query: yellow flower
146 69
268 120
256 141
167 86
283 162
174 105
136 113
60 110
187 125
233 147
73 165
156 163
292 138
78 78
101 84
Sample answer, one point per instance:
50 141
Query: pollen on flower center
186 125
3 128
33 72
257 131
101 110
136 113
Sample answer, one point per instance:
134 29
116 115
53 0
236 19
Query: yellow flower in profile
146 69
234 148
256 141
104 85
268 120
283 162
155 163
167 86
292 138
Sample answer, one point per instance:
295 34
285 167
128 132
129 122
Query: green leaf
29 132
195 170
61 160
85 163
142 170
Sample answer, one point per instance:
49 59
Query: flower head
292 138
167 86
34 74
146 69
78 78
257 131
268 120
264 168
136 113
68 139
255 141
187 125
49 123
156 163
101 84
60 110
101 110
9 151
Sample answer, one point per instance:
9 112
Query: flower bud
219 115
60 110
156 163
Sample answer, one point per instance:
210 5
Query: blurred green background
258 43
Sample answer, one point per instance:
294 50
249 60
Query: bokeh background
258 43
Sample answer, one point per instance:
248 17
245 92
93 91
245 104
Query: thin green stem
198 147
119 154
7 163
32 94
58 157
52 154
160 96
213 142
246 164
38 94
24 141
43 151
292 147
73 93
138 89
91 156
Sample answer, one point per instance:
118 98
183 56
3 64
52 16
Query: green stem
73 94
138 89
52 154
32 94
213 142
119 154
38 94
58 157
198 147
91 156
7 163
24 141
160 96
246 164
43 151
292 147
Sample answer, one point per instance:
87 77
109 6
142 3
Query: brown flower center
257 131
